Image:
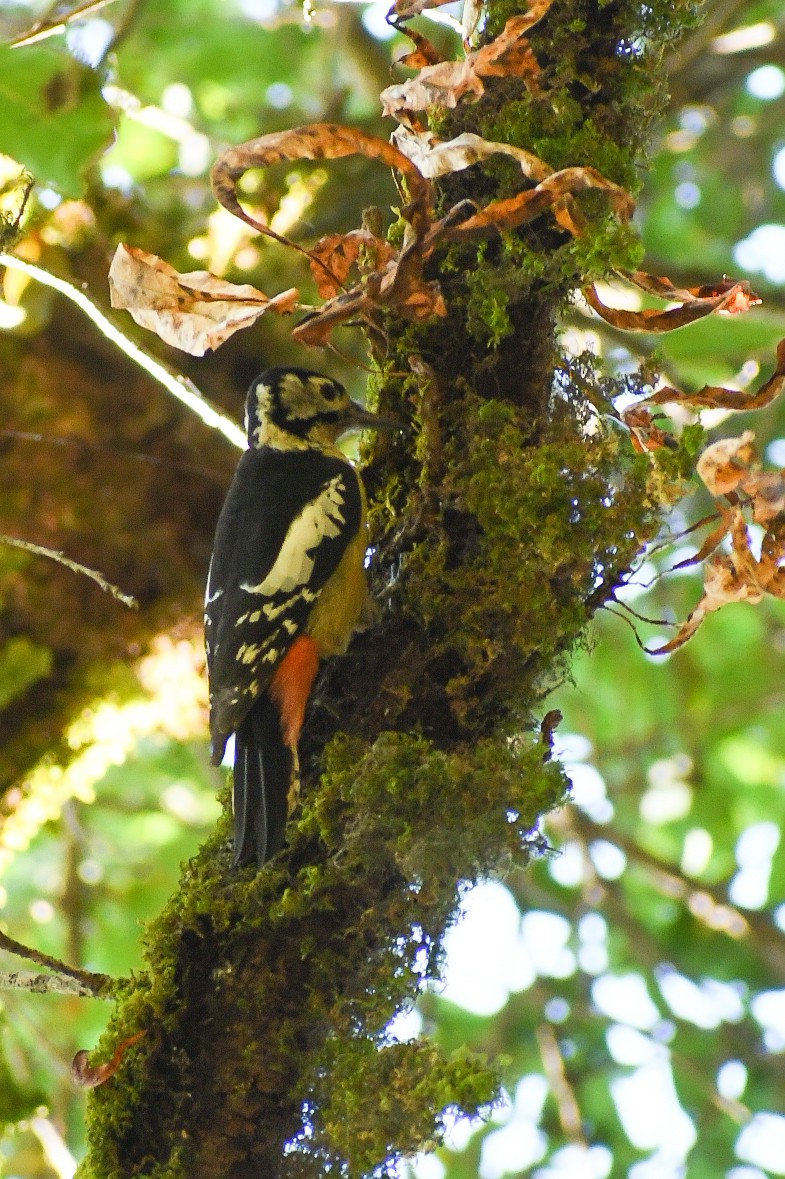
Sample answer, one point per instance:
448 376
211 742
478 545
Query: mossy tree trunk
501 524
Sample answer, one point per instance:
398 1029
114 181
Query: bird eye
329 392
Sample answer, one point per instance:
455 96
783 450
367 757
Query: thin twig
556 1074
180 387
131 456
55 555
47 984
49 27
94 984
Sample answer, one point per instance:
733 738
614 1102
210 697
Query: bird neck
321 437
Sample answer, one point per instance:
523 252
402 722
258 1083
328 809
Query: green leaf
142 151
22 662
52 116
19 1097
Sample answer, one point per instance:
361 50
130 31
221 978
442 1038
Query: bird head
293 408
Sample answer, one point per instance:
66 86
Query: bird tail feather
263 769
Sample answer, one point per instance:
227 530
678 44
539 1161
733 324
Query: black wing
285 524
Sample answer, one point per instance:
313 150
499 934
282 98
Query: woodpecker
286 588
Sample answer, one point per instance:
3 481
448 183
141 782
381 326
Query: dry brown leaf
715 538
424 53
510 54
732 298
316 141
730 470
727 579
436 157
644 432
339 251
194 312
767 491
656 284
446 83
724 465
715 397
730 466
424 301
510 213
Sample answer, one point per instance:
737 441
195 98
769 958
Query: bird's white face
293 409
296 410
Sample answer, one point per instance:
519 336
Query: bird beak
357 417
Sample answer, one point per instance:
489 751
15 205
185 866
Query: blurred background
633 981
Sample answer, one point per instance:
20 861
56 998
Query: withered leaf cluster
194 311
358 274
199 311
689 303
744 493
444 83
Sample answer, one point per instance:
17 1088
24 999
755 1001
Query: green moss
380 804
501 526
486 305
380 1103
540 525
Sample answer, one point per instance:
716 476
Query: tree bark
502 520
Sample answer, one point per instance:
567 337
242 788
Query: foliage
52 115
495 476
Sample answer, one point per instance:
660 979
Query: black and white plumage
286 587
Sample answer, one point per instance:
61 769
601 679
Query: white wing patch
208 597
322 517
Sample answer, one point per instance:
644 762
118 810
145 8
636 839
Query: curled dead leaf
716 397
423 301
316 141
644 432
515 211
193 312
446 83
726 296
91 1076
338 252
730 466
723 465
435 157
723 585
767 491
737 576
424 53
510 54
743 296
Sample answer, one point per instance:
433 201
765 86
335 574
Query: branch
55 555
708 903
49 25
555 1071
92 984
180 387
47 984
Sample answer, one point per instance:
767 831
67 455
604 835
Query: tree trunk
502 519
